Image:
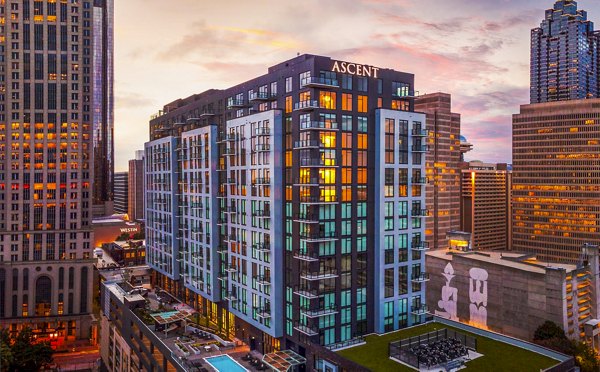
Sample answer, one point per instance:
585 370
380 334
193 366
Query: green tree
547 331
550 335
22 353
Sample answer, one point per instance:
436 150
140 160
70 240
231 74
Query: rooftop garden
497 356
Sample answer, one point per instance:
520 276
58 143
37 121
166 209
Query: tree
22 353
550 335
548 331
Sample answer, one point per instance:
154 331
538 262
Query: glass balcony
230 296
419 310
308 144
265 131
229 181
262 214
319 82
227 137
308 293
308 218
262 97
262 147
421 148
420 180
311 200
261 181
206 114
318 237
420 245
420 278
231 269
236 104
326 273
418 132
308 105
262 247
305 255
263 280
318 311
318 125
263 312
228 152
309 331
317 163
420 212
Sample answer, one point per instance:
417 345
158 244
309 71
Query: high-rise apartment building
135 190
290 210
48 112
121 192
103 106
556 192
565 56
443 166
485 205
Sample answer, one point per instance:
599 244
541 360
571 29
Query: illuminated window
288 104
346 101
362 103
327 100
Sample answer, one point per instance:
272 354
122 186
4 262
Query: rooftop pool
224 363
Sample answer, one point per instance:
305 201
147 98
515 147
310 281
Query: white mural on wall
449 300
478 295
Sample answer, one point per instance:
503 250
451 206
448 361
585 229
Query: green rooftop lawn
497 356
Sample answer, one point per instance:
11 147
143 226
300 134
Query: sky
476 50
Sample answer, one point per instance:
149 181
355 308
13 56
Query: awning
282 361
170 316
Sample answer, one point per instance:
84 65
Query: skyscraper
443 166
556 192
485 205
103 106
48 109
290 210
121 192
135 200
565 55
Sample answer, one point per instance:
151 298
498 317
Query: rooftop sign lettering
355 69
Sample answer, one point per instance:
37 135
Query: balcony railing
306 105
306 255
317 162
405 94
310 331
318 125
263 280
417 132
420 245
227 137
420 148
319 199
319 236
263 312
228 152
420 180
318 311
230 296
305 181
262 147
261 181
420 212
319 82
264 131
262 96
305 292
420 278
262 214
307 218
308 144
419 310
236 103
262 247
323 274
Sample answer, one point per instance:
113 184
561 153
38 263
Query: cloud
133 101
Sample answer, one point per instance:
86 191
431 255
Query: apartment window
304 78
288 84
346 101
327 100
347 82
362 84
362 103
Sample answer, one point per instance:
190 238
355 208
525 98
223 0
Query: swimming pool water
224 363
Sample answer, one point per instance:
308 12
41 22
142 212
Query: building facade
103 105
443 166
565 56
513 293
556 195
135 189
48 112
303 170
121 193
486 205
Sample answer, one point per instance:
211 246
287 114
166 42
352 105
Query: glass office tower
565 56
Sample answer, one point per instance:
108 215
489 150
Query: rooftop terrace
497 355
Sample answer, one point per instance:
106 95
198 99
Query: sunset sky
476 50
